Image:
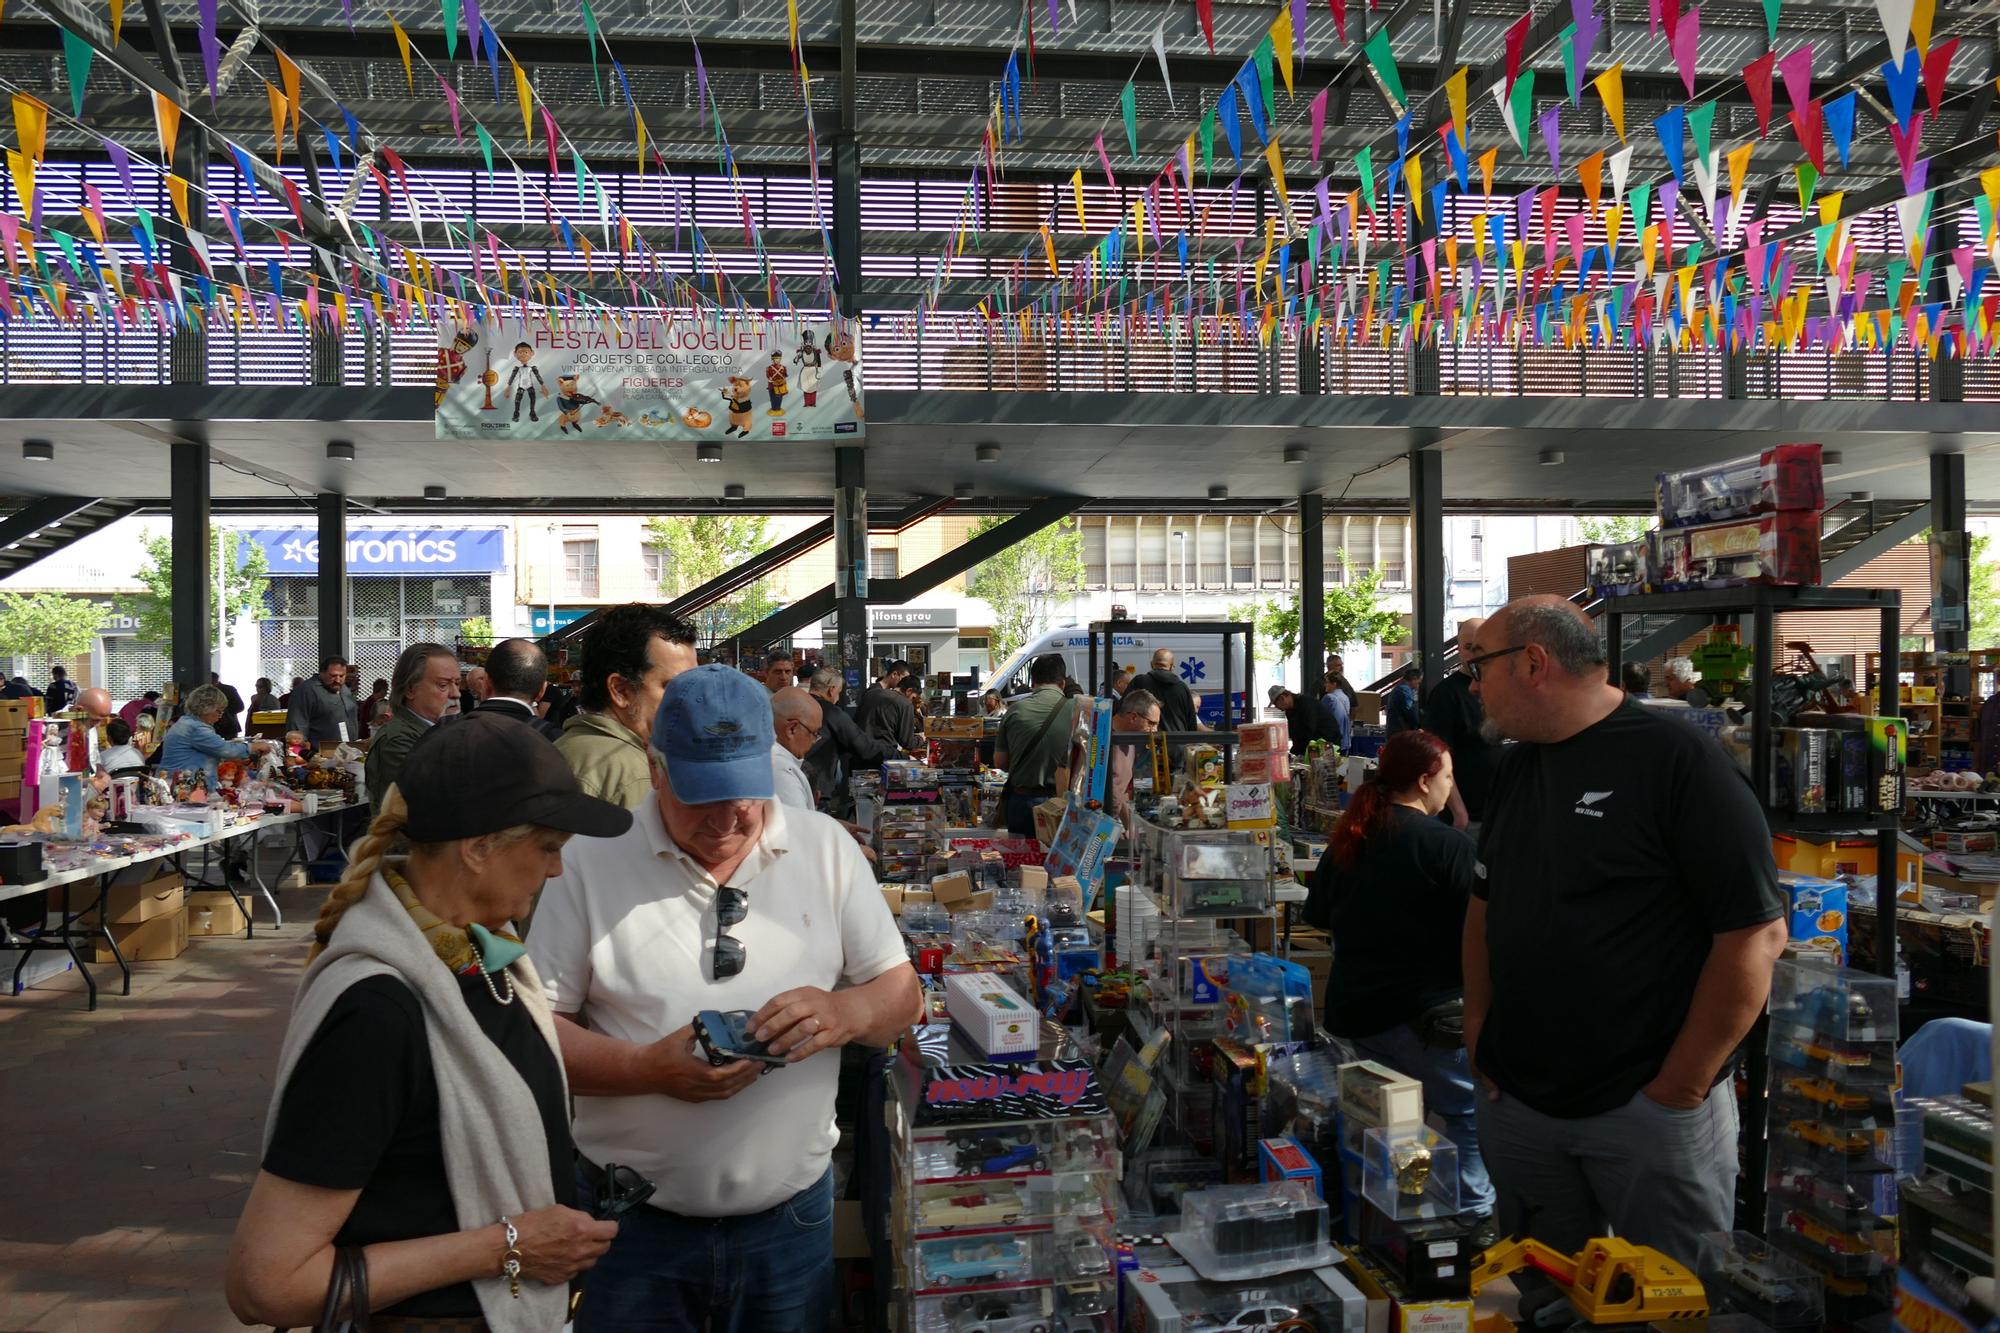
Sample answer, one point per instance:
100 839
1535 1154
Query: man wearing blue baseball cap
718 898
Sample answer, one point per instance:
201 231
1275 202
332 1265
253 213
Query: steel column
1312 594
1427 551
847 173
193 580
334 600
850 556
1951 564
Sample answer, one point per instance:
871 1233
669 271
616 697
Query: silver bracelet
510 1262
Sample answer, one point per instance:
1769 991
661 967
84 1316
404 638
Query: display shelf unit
1951 722
1763 605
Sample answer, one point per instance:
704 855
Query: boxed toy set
1786 477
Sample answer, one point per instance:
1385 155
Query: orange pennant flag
277 101
23 169
1276 159
177 190
1591 172
288 73
403 45
1049 249
167 119
1610 87
1739 162
117 21
639 123
1486 161
31 125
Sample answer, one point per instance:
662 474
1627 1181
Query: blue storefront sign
539 623
388 550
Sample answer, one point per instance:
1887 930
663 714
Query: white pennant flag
1621 167
1507 116
1704 179
1910 211
1160 50
1895 16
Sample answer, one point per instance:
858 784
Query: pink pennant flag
1318 120
451 104
549 133
1104 159
1684 41
1906 142
1796 69
1809 123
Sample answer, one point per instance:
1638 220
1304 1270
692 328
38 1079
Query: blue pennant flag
249 176
1253 97
1902 84
1456 151
1672 129
332 145
1839 114
353 131
1226 109
1403 135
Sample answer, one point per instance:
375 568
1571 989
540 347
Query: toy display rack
1763 604
1949 721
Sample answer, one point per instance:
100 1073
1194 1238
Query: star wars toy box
991 1017
1779 548
1888 763
1786 477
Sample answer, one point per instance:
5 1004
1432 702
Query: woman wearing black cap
421 1118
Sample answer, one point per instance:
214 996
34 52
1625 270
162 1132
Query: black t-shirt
1453 714
1177 710
1396 921
361 1112
1610 862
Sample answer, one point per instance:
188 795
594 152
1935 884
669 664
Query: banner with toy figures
693 379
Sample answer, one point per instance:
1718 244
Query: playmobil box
1786 477
991 1016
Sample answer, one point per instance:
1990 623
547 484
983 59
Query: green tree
476 632
1024 582
696 549
1983 596
48 624
1354 614
244 583
1614 529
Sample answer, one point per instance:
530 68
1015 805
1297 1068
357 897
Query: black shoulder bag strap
1014 761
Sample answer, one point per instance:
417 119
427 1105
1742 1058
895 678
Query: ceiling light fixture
1861 497
1829 457
1218 492
987 453
433 492
1295 453
708 453
38 451
340 450
733 491
962 491
1549 457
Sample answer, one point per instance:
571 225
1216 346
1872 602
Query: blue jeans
1448 1090
768 1272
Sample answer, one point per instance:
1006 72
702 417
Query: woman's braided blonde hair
384 836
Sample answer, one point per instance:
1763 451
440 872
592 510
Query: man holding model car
725 938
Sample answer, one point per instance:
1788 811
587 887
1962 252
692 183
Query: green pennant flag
76 59
1128 103
1566 39
1384 62
1896 327
1700 123
1207 145
1642 200
1808 181
1984 206
582 177
1266 83
1894 271
486 148
451 29
68 245
1822 237
1521 104
590 29
1771 8
1364 166
146 221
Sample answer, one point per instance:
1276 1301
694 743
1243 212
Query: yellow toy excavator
1611 1282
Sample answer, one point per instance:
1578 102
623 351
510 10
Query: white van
1198 659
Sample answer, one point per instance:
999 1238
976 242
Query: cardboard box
1249 805
1034 877
952 891
14 713
10 766
153 941
213 912
1434 1317
1048 818
892 894
129 904
1367 708
992 1016
1888 763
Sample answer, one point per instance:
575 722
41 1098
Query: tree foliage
1354 614
1024 582
697 549
1983 597
244 583
476 632
48 624
1614 529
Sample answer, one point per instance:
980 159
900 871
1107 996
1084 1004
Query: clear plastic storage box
1234 1232
1410 1173
1181 1302
1745 1274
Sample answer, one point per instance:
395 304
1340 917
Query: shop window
884 562
1153 551
653 560
1271 540
1213 542
1392 574
580 568
1242 553
1093 554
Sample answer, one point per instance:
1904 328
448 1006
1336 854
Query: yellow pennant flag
288 74
117 21
1076 192
792 23
1281 45
177 190
1479 237
1921 15
23 169
1139 227
277 101
1649 241
1413 174
526 96
1610 87
1049 249
31 126
1829 207
1276 158
1591 172
403 45
1739 162
639 122
167 120
1486 161
1614 223
1454 95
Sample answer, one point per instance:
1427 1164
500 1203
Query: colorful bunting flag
77 55
1686 38
1610 87
1383 61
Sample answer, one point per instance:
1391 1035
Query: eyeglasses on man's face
1476 667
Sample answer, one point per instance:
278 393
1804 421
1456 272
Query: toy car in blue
994 1262
992 1155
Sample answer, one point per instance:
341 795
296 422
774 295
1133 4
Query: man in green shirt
1034 739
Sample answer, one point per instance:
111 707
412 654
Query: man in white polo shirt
796 722
718 898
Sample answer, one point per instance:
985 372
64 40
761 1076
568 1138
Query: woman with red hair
1392 890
